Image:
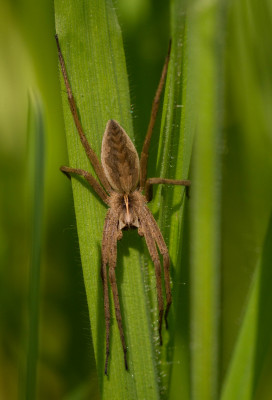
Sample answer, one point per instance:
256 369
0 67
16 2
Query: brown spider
123 179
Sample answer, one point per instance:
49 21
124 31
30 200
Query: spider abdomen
119 159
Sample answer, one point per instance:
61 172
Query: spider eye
119 159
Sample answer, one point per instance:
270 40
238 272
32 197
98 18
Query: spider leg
154 111
166 266
118 311
115 236
89 151
157 235
105 288
106 311
89 178
154 181
109 255
151 245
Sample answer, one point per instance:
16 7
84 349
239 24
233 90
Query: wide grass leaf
203 22
91 42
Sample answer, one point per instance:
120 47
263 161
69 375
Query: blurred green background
28 61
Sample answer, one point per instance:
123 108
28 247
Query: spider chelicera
123 178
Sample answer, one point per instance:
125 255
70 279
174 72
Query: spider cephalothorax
127 206
122 180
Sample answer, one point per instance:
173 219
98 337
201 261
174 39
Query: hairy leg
115 235
157 236
106 311
89 151
89 178
109 248
156 181
151 245
105 256
166 267
154 111
118 311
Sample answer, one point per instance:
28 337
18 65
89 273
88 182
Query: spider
123 178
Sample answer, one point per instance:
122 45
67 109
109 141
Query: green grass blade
204 34
36 164
91 42
255 333
174 155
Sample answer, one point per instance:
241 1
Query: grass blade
205 212
91 42
36 158
174 156
255 333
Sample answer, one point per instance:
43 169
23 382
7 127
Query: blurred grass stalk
255 333
206 24
36 195
204 33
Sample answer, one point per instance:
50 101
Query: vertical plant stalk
174 156
91 43
36 157
255 333
205 211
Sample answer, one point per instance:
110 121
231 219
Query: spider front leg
106 309
157 236
155 181
89 178
111 235
117 310
145 231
